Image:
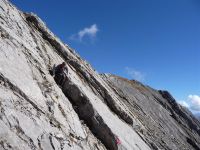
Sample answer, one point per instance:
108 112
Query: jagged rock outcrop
90 111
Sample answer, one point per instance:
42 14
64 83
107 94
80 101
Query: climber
60 73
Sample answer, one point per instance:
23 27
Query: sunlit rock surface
90 111
159 119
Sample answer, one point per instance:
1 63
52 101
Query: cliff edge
90 111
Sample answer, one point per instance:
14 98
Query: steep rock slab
162 122
34 111
79 73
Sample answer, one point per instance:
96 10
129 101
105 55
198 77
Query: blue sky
154 41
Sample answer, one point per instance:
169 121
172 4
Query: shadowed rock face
90 111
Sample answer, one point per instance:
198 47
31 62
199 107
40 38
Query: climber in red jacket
61 73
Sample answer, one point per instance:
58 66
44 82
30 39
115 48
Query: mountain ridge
90 111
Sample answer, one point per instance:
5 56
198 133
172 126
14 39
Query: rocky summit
90 111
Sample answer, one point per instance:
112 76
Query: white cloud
184 103
135 74
86 32
194 101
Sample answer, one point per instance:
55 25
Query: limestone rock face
90 111
162 122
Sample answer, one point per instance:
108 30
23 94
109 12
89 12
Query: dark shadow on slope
86 112
95 84
193 144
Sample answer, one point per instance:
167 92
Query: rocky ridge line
90 111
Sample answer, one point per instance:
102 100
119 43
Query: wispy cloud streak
90 32
135 74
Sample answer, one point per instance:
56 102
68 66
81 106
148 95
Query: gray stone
90 111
